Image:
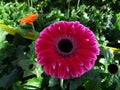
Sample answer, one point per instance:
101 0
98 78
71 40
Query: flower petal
61 71
87 53
86 62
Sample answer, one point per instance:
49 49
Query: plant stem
78 3
28 3
16 0
31 3
42 19
33 29
68 16
61 84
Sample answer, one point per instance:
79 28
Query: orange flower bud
29 19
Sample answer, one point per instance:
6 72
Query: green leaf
18 86
118 21
21 6
118 84
7 51
2 35
114 1
2 38
92 74
53 82
3 44
7 80
94 84
38 70
25 64
34 83
31 54
75 83
103 61
108 53
74 15
25 28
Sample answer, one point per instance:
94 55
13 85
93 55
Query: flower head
113 68
66 49
29 19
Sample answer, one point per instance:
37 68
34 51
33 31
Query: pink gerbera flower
66 49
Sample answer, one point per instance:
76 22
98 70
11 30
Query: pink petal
67 75
47 68
61 71
44 60
74 69
94 49
87 53
62 28
46 36
86 62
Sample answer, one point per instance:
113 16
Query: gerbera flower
66 49
29 19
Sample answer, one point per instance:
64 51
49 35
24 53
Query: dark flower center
65 46
113 68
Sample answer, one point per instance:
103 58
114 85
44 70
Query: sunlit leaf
2 38
30 35
33 84
118 21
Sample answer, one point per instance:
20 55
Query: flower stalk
78 3
61 84
34 31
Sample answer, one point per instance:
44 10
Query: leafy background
18 67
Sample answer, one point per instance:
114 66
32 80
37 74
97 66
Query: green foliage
118 21
2 38
19 69
8 80
12 12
